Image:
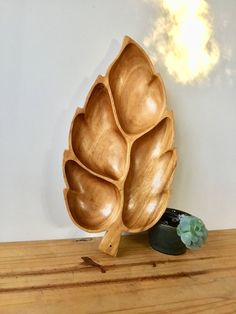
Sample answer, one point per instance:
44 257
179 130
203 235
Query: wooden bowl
120 162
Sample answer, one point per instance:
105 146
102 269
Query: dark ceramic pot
163 235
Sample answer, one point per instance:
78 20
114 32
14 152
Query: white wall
50 54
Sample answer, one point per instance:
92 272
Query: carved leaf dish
121 161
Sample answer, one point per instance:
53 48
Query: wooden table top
72 276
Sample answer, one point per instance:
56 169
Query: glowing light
183 39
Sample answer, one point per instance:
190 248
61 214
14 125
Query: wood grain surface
121 159
72 276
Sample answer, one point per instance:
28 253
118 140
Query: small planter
176 231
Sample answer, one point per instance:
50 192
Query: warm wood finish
120 162
71 276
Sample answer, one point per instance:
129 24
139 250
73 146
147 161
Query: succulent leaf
192 231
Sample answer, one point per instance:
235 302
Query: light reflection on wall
183 38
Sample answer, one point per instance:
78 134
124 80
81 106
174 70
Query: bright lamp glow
183 39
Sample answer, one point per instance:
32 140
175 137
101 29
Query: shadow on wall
52 194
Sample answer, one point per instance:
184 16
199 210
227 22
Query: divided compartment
92 201
152 165
121 162
138 93
95 138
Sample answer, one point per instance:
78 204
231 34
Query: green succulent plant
192 232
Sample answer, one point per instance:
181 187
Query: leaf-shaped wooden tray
120 162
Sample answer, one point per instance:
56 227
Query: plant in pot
176 231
